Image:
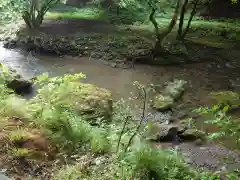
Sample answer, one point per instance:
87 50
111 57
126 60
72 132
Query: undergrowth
125 154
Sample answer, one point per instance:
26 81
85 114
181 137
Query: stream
202 78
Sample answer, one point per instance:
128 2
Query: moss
18 136
22 153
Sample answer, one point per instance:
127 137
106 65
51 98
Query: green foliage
99 141
52 110
69 173
144 160
228 126
32 11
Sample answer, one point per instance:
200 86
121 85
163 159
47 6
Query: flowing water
202 79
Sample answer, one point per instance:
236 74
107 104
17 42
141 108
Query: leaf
226 108
216 135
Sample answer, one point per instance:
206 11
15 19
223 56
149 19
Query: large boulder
171 93
88 101
94 103
173 132
15 81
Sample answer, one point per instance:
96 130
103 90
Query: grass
74 13
211 30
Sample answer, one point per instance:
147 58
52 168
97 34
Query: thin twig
120 136
141 120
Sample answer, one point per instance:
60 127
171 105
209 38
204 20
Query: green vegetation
52 124
228 126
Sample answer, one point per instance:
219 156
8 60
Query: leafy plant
227 125
32 11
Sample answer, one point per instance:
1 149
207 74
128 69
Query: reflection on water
119 81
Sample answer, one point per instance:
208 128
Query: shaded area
217 9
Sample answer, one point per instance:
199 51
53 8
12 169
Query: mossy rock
164 132
192 135
162 103
94 103
175 89
171 93
15 81
230 98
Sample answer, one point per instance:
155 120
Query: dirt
41 153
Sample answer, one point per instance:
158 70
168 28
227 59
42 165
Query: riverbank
88 35
210 77
85 137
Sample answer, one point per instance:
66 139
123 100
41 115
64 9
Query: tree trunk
194 10
161 36
181 22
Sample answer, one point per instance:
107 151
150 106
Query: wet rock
162 103
171 93
175 89
11 44
164 132
192 135
14 81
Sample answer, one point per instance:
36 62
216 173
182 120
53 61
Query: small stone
229 65
198 142
100 160
114 65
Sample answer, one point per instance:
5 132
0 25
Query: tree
32 11
180 9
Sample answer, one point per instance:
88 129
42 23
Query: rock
163 132
93 103
227 98
192 135
175 89
14 81
198 142
171 93
162 103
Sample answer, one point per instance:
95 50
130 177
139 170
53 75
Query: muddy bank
120 45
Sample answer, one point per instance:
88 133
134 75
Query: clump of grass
99 141
21 152
161 164
18 136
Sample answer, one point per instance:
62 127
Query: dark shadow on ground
72 26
